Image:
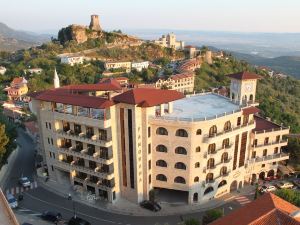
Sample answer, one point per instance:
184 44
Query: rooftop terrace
202 107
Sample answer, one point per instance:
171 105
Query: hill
12 40
285 64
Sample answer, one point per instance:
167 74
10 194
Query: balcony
274 143
106 185
209 139
217 166
217 152
90 139
270 158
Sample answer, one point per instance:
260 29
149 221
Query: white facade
169 41
2 70
139 66
72 60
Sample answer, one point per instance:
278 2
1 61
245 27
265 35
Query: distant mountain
285 64
12 40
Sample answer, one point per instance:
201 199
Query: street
37 199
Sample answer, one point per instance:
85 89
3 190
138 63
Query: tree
289 195
192 222
212 215
3 141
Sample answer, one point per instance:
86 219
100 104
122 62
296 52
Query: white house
71 60
139 66
2 70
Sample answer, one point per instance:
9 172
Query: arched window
212 148
208 190
222 183
161 131
212 131
209 177
196 179
198 149
223 171
210 163
197 165
224 157
181 133
181 150
161 148
227 126
233 96
179 180
161 177
225 143
199 132
161 163
180 165
251 98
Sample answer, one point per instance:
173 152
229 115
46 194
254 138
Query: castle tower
56 80
208 57
95 24
243 87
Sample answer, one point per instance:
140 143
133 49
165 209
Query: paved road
39 199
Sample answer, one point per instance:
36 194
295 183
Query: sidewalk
126 207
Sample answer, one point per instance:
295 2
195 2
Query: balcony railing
212 168
214 153
281 156
270 144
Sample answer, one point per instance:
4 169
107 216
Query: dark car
153 206
51 216
78 221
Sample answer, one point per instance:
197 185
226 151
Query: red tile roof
244 76
61 96
250 110
147 97
263 124
181 76
268 209
110 85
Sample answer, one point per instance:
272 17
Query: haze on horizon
214 15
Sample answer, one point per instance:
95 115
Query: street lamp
73 204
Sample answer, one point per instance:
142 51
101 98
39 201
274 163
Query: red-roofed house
18 89
268 209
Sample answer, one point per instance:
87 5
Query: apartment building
179 82
139 66
203 145
71 59
118 65
169 41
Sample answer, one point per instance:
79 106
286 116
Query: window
149 148
212 148
212 131
255 143
198 149
225 143
51 141
223 171
180 166
253 154
276 150
208 190
149 131
149 178
161 131
50 126
263 165
149 164
179 180
222 183
227 126
46 125
199 132
52 168
266 141
245 119
180 150
196 179
274 163
197 165
278 138
181 133
224 157
210 163
161 148
209 177
265 152
161 163
238 123
161 177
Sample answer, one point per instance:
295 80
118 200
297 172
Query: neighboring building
7 216
191 51
189 65
34 70
169 41
208 57
139 66
111 66
179 82
204 145
71 60
2 70
18 89
267 209
123 81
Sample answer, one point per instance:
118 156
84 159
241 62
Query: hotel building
122 145
183 82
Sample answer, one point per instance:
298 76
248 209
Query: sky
210 15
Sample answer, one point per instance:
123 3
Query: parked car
24 182
285 185
153 206
51 216
269 188
78 221
12 201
